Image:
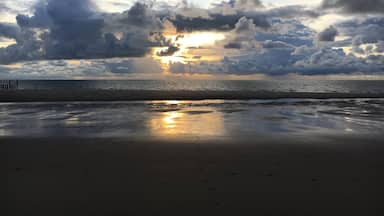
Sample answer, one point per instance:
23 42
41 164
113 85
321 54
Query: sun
196 40
192 47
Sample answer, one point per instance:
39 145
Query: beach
263 175
193 152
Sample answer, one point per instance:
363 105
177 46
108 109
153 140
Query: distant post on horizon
9 84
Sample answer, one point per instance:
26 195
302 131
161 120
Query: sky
195 39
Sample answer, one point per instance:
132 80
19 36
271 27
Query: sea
198 119
315 86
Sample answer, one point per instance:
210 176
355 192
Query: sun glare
176 124
196 40
191 48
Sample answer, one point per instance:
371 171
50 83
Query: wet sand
278 175
142 95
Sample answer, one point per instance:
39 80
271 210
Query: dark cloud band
356 6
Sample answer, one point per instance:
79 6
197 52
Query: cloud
329 34
83 69
3 70
224 16
28 47
218 22
75 29
329 61
380 47
169 51
369 30
355 6
9 31
243 35
362 31
292 11
278 58
135 65
140 16
40 18
258 39
274 57
290 31
11 6
288 47
247 35
246 4
4 7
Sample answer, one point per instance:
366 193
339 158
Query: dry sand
266 176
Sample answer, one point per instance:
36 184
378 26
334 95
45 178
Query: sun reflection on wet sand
170 119
4 132
173 102
197 122
72 121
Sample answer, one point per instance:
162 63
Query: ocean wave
145 95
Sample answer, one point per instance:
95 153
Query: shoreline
143 95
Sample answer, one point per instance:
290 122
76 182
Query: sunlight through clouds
190 48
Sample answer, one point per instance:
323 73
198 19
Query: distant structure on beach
9 84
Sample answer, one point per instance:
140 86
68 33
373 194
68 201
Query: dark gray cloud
9 31
221 19
329 34
74 29
139 15
355 6
39 19
169 51
217 22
